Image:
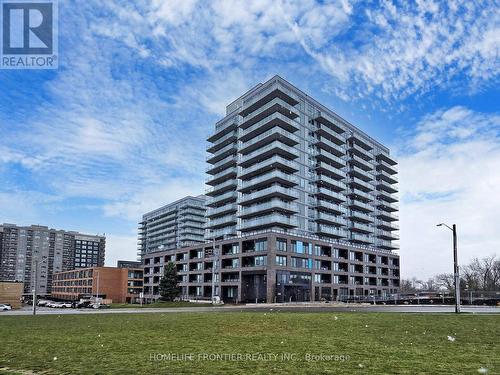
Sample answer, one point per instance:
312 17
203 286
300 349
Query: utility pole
35 287
214 268
456 272
97 289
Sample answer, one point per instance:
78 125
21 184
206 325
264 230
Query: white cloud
411 49
449 173
120 248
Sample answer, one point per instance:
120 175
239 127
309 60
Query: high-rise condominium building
301 207
21 247
175 225
280 160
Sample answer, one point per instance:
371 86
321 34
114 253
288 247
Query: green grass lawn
387 343
160 304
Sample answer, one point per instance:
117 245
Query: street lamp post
456 274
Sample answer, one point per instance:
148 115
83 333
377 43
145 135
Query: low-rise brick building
121 285
274 266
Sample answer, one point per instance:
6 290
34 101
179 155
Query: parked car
98 306
43 302
5 307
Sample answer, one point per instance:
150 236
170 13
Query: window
301 263
260 261
280 260
317 278
280 244
317 250
260 245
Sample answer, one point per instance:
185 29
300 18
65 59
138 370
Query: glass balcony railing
360 205
223 173
331 218
292 125
336 184
228 219
330 194
269 176
292 193
222 209
333 231
226 196
276 159
276 130
272 204
270 220
283 106
273 145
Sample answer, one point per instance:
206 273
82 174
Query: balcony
360 151
222 164
269 136
386 235
329 158
360 216
323 180
331 231
222 210
271 121
360 173
362 228
388 226
385 186
329 195
272 191
270 206
223 141
387 245
361 238
229 173
360 206
275 105
360 195
224 126
357 183
223 221
329 207
384 196
387 159
223 198
221 188
326 144
271 163
330 170
228 231
274 148
324 131
387 177
330 121
322 217
269 220
387 216
384 166
269 178
361 163
389 207
262 95
222 153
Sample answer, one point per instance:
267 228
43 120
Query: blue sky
120 127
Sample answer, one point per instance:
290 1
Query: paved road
264 308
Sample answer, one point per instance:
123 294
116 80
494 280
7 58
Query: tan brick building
11 293
121 285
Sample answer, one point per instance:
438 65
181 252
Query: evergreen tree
169 288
